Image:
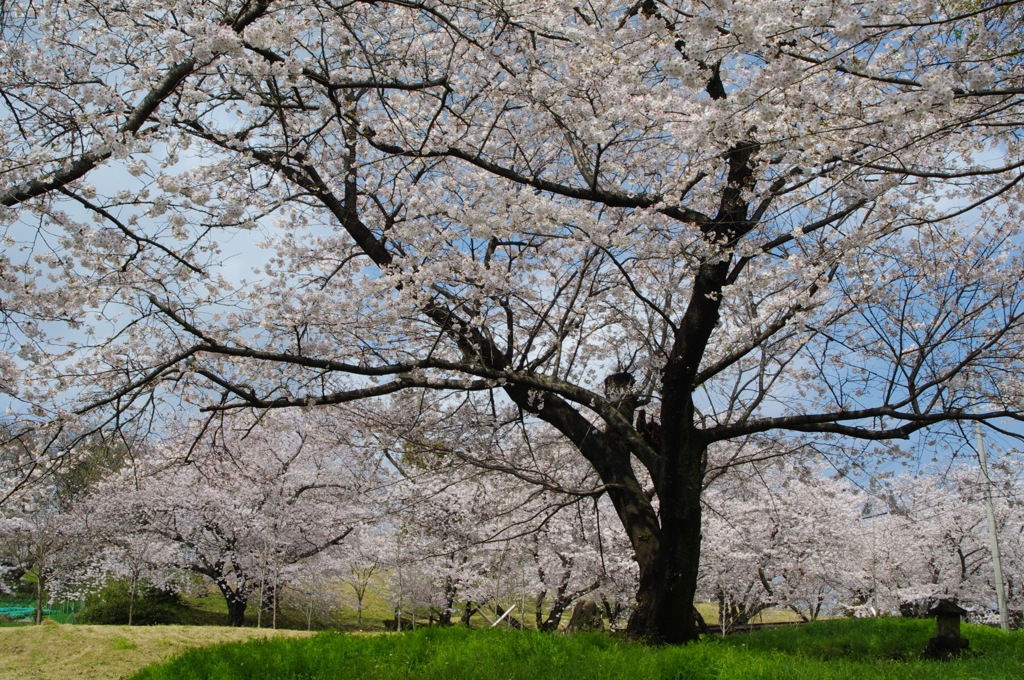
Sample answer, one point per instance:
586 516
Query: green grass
123 643
831 650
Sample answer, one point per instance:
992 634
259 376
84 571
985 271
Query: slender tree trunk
39 598
554 618
131 599
562 599
444 615
277 577
467 613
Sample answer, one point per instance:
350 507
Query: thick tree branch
607 197
831 422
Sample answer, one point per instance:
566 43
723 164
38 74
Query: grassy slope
709 610
58 652
212 610
837 650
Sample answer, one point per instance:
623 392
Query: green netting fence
22 609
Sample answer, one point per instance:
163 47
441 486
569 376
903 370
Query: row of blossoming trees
308 509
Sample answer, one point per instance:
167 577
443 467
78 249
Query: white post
507 612
482 613
1004 619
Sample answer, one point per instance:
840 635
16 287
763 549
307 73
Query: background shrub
152 605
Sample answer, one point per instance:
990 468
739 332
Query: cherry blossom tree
44 541
822 544
360 565
753 221
800 550
39 545
246 507
937 544
467 537
315 589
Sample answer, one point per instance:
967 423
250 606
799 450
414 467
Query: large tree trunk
667 542
236 612
668 580
237 600
668 577
664 601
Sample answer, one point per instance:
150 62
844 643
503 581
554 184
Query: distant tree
315 587
94 459
935 538
360 564
802 550
38 547
250 503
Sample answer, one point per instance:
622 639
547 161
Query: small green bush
152 606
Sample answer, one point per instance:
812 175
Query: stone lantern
947 641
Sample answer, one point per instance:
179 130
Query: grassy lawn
881 649
66 652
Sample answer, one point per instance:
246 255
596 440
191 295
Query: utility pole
1004 619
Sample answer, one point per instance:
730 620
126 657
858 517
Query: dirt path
57 652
